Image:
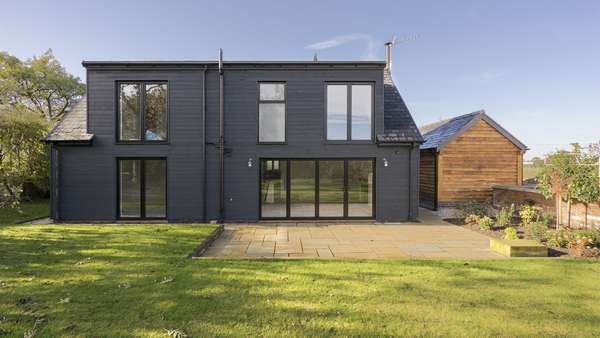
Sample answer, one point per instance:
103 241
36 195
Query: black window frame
142 135
349 139
285 112
317 161
142 188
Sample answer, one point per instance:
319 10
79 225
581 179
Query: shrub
472 220
486 223
473 208
559 238
537 230
530 213
510 233
504 216
546 219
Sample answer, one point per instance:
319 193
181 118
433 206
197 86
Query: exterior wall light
249 162
385 162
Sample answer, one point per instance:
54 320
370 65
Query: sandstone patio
432 238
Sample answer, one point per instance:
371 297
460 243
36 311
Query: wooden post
520 168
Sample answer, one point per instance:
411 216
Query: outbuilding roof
73 125
440 133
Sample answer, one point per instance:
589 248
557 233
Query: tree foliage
570 176
39 84
23 157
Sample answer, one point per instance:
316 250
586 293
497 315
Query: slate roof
440 133
399 126
73 125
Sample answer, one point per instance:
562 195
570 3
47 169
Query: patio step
518 248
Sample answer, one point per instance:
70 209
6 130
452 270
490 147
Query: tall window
349 112
142 188
143 114
271 112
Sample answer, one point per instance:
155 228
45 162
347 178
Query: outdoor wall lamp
249 162
385 162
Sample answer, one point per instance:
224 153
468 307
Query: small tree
570 176
585 184
555 178
23 157
40 84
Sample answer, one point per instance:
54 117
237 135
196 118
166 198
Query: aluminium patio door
317 188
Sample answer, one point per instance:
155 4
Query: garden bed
498 232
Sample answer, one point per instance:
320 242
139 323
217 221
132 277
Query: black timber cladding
90 170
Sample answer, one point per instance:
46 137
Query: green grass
42 265
27 212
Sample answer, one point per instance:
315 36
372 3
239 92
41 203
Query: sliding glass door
142 188
302 188
331 188
310 188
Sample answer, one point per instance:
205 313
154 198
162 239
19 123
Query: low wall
505 195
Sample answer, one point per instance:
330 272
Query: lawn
28 211
136 280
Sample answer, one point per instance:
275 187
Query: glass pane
337 109
271 122
129 112
302 185
362 106
130 189
156 112
273 190
360 188
331 188
156 188
272 91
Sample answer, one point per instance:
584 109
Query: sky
533 66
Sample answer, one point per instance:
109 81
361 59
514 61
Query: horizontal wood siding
474 162
427 179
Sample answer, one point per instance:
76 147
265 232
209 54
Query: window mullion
349 113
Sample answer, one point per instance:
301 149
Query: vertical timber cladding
427 179
470 165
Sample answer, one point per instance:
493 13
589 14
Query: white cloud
369 53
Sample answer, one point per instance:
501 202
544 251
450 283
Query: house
463 157
236 141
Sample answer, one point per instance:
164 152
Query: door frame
316 161
142 161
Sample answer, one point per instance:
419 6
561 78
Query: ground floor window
311 188
142 188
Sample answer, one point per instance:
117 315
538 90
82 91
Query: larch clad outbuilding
236 141
463 157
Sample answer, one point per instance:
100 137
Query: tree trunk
558 211
569 213
586 216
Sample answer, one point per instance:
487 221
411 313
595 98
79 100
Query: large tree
23 157
39 84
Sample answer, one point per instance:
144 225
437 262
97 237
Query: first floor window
143 111
271 113
142 188
349 112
